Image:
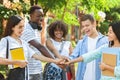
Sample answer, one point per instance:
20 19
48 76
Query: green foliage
103 28
25 7
5 12
51 4
2 69
16 8
113 14
65 9
71 19
94 6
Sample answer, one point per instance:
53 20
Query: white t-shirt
90 67
14 44
29 34
65 47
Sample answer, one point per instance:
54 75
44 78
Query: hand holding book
20 63
109 61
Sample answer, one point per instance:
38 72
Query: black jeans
16 74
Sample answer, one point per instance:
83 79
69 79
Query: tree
70 10
64 9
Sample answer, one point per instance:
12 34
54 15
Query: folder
17 54
110 57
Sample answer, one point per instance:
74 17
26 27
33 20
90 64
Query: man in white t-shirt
91 40
31 35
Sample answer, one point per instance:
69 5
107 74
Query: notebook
110 57
17 54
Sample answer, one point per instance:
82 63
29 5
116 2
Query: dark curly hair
57 25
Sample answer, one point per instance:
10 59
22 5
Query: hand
62 66
67 63
21 63
103 66
65 58
58 61
64 63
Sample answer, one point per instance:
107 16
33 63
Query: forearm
43 58
41 48
44 51
111 69
55 52
6 62
52 48
79 59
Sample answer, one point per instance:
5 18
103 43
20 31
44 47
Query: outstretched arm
43 58
51 47
40 47
79 59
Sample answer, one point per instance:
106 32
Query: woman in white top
13 31
60 49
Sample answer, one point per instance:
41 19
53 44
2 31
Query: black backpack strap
7 54
7 49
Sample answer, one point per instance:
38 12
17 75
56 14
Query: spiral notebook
17 54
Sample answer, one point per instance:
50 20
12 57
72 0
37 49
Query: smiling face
18 29
58 34
111 35
37 16
88 27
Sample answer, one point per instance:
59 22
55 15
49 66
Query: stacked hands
63 62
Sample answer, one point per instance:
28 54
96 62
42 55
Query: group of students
87 49
27 37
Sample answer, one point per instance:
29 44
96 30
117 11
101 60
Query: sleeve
76 51
3 44
93 54
28 33
117 71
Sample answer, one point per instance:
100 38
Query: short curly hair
33 8
57 25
